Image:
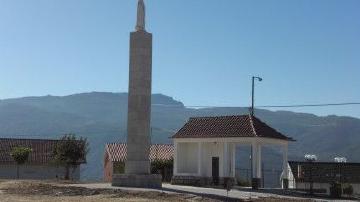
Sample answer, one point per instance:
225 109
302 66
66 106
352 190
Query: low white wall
326 186
40 172
306 186
356 188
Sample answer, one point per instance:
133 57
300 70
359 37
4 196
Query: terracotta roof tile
117 151
41 154
227 126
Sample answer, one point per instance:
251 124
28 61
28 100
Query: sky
205 51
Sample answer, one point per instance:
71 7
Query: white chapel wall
187 157
212 149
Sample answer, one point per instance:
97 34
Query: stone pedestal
134 180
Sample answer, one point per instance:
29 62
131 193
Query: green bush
243 183
119 167
20 155
348 189
335 190
70 152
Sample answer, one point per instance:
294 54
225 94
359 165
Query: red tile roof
228 126
117 151
41 149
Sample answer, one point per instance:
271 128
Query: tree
20 155
70 152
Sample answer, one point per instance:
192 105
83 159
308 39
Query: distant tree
70 152
20 155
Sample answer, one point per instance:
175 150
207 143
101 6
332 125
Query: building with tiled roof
115 157
228 126
320 175
204 148
40 164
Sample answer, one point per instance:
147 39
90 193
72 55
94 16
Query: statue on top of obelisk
140 23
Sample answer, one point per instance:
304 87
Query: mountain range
101 118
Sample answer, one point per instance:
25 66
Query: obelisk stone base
135 180
137 167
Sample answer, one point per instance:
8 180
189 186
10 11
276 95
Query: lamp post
252 93
252 114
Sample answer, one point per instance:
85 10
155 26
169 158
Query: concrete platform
135 180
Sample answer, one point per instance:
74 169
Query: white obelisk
139 101
137 165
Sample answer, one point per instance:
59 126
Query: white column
258 162
254 157
285 162
175 158
226 160
285 177
233 168
199 158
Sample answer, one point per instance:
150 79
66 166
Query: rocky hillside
101 117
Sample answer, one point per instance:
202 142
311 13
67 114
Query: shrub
335 190
70 152
348 189
20 155
243 183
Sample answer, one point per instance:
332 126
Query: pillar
199 158
139 104
137 164
226 160
233 164
285 180
175 169
256 165
258 162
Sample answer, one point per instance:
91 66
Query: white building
40 163
319 176
204 148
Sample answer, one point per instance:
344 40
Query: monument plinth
137 165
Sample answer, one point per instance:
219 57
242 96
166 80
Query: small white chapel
205 149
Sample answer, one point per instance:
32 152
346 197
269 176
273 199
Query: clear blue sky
205 51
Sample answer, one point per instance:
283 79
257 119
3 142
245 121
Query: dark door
215 170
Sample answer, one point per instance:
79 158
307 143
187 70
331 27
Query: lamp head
258 78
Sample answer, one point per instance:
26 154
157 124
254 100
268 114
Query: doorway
215 170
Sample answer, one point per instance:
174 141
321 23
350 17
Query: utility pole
253 92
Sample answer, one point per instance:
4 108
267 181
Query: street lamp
252 92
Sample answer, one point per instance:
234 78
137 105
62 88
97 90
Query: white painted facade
38 172
193 156
316 185
325 186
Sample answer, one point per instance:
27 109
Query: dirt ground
11 191
40 191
